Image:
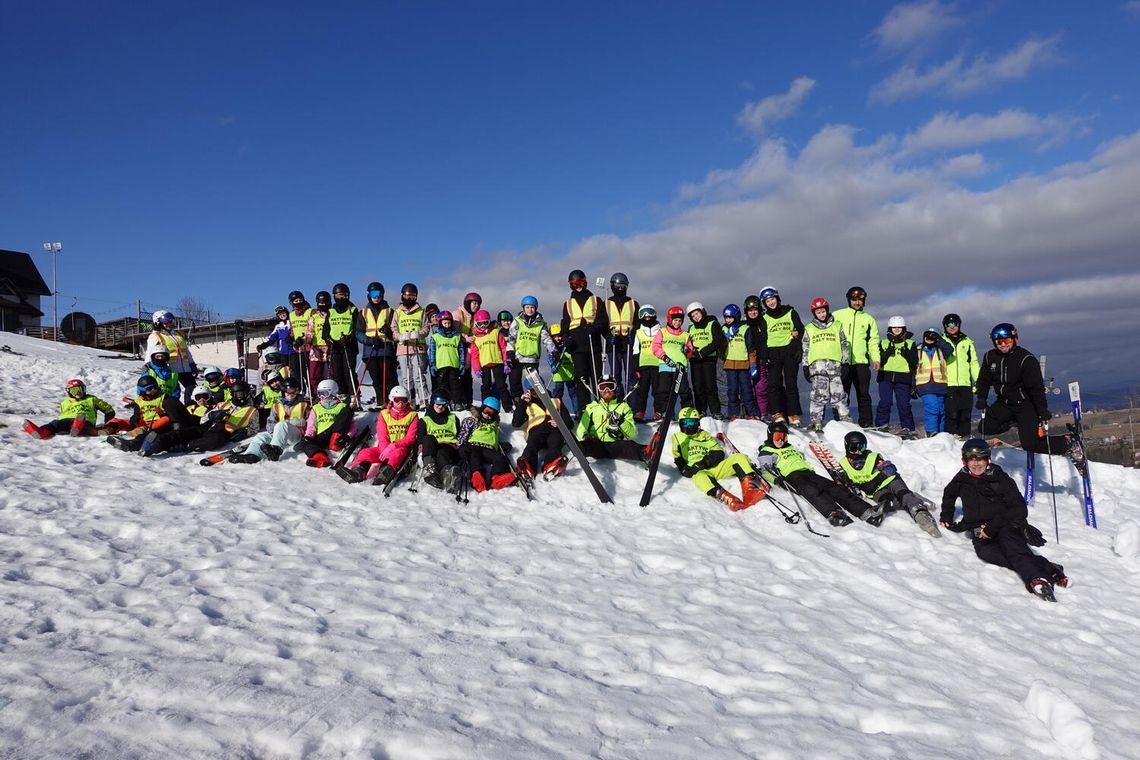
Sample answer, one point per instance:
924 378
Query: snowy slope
154 608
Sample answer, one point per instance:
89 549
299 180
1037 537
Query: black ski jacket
993 500
1015 378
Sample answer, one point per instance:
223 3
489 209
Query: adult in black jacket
993 510
782 353
1015 376
707 337
585 328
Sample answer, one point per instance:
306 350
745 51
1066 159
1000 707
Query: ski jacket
584 322
442 426
281 337
159 413
487 350
739 347
962 366
398 430
781 328
674 345
375 330
596 419
1015 378
317 335
643 346
930 371
344 323
899 359
326 420
870 476
166 378
824 346
707 338
533 414
689 450
621 311
445 349
787 461
992 499
85 408
479 432
526 339
173 344
862 332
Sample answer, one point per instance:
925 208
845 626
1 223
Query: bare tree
193 309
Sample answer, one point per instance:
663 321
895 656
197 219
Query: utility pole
53 249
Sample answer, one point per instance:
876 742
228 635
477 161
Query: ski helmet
731 311
409 287
482 317
240 393
212 375
1002 331
674 311
472 296
160 356
296 297
779 426
576 276
327 388
769 292
856 293
896 321
431 311
76 385
233 375
202 391
273 378
695 306
820 303
279 310
506 316
398 391
855 443
375 290
339 289
147 387
323 299
445 315
753 302
529 301
291 384
272 356
441 397
975 448
607 383
689 420
647 311
931 332
491 402
162 317
951 319
556 329
619 283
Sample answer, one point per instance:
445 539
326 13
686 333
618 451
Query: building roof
22 272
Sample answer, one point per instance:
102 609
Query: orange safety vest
374 323
929 371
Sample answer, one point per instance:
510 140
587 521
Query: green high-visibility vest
896 362
779 329
788 459
823 342
526 339
737 350
446 350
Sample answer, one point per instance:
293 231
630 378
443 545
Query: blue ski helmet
1003 330
491 403
529 301
769 292
732 310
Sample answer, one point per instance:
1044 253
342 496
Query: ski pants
214 437
1009 549
482 459
827 388
741 398
382 373
596 449
933 413
543 445
186 380
444 454
391 454
895 496
1000 417
493 382
63 427
284 436
783 383
646 386
665 379
318 371
900 392
959 406
298 368
559 388
515 378
733 466
824 494
413 373
450 381
467 387
858 376
342 365
760 389
620 361
706 395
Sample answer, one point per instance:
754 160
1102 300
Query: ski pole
795 500
1052 486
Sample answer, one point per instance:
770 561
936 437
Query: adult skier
585 328
375 334
344 324
862 331
163 337
962 369
410 327
607 429
621 311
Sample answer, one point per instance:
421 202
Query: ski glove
1044 415
688 470
669 363
914 392
981 404
261 346
1032 535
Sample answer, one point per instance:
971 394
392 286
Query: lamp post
53 249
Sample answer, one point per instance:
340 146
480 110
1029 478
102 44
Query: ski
1083 465
355 442
222 456
523 481
408 465
1030 480
567 435
658 440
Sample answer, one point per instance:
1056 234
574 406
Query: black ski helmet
575 275
410 287
240 392
975 448
619 283
779 426
856 292
296 295
753 302
375 286
1003 330
323 298
340 288
291 384
951 319
855 443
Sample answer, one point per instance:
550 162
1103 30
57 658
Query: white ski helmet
398 391
695 306
199 390
896 321
162 315
328 385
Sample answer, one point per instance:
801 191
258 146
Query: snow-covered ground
155 608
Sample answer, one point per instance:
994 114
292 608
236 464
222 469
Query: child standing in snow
825 353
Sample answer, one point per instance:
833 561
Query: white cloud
910 24
1133 7
757 117
951 131
1053 252
957 77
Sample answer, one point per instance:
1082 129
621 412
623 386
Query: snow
155 608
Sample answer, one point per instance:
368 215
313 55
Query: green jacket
595 421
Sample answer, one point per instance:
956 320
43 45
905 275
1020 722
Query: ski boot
927 522
384 476
478 482
1042 589
353 474
432 475
873 515
838 519
1059 578
502 480
452 479
816 429
1076 453
728 499
32 428
271 452
244 459
318 460
753 488
555 467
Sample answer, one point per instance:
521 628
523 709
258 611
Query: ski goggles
1003 342
857 295
325 394
280 310
213 377
578 284
975 452
291 390
401 400
166 319
607 387
77 391
440 401
689 425
375 294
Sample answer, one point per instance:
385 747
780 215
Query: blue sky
932 152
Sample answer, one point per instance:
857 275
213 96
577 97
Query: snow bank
154 608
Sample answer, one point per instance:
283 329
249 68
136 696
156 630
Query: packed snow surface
155 608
